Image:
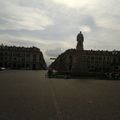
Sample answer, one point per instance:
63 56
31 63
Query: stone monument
80 39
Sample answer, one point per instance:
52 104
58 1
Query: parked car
52 73
2 68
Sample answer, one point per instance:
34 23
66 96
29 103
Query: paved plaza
29 95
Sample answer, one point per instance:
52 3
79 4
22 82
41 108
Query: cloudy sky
52 25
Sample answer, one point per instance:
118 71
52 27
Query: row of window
22 59
14 54
102 59
18 65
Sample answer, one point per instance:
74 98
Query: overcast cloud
52 25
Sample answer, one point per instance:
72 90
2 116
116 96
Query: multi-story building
21 58
84 62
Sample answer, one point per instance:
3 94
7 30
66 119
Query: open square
29 95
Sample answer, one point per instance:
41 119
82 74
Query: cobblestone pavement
29 95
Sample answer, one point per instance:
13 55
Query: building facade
12 57
85 62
